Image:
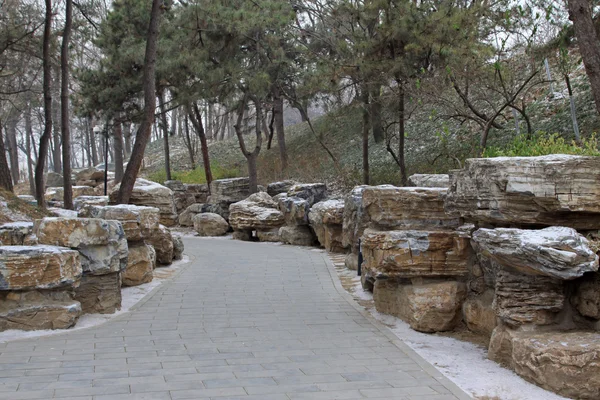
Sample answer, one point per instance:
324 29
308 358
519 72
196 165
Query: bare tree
64 107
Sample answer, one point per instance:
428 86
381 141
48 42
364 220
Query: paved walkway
241 321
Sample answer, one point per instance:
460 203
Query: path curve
248 321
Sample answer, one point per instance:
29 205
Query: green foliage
196 175
542 144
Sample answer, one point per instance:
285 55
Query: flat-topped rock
84 201
311 192
258 211
275 188
138 221
548 190
389 207
33 310
209 224
412 253
17 234
152 194
140 264
556 252
58 194
326 219
89 174
229 190
429 180
38 267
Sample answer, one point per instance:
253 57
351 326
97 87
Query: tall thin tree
64 107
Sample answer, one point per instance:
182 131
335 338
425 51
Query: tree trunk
375 114
145 129
5 178
40 185
28 135
196 119
165 129
252 156
279 128
11 143
127 138
401 133
56 128
252 172
188 143
580 12
118 135
93 146
365 136
64 107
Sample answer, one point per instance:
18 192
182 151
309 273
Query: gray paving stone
247 321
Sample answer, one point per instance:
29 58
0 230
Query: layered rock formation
275 188
35 310
140 265
57 193
258 212
225 192
353 225
185 195
326 219
152 194
210 224
17 234
429 180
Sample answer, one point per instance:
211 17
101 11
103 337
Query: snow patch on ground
130 297
464 363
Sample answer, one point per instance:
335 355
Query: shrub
542 144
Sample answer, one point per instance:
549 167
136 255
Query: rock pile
259 212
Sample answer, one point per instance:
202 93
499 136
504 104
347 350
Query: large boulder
87 201
479 315
259 211
140 264
99 294
178 247
152 194
199 191
58 193
586 297
567 363
275 188
17 234
389 207
299 235
162 241
101 243
412 253
54 180
311 192
89 174
549 190
429 307
556 252
35 310
295 210
182 198
38 267
429 180
138 221
354 219
187 216
326 219
224 192
209 224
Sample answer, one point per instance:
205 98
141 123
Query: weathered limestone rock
244 235
295 210
34 310
182 198
54 180
549 190
209 224
299 235
28 199
587 296
411 253
430 307
38 267
326 219
224 192
198 191
271 235
527 299
138 221
57 193
355 220
186 217
567 363
101 243
87 201
276 188
429 180
17 234
389 207
258 211
89 174
140 264
479 314
99 294
351 261
557 252
311 192
152 194
178 247
162 241
501 346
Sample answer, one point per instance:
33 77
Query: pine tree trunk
188 143
56 128
196 119
165 129
118 135
580 12
401 134
145 130
64 107
127 138
375 113
40 185
252 172
13 149
28 147
5 178
93 146
279 128
365 136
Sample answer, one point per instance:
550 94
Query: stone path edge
395 340
137 305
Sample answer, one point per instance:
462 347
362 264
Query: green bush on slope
542 144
